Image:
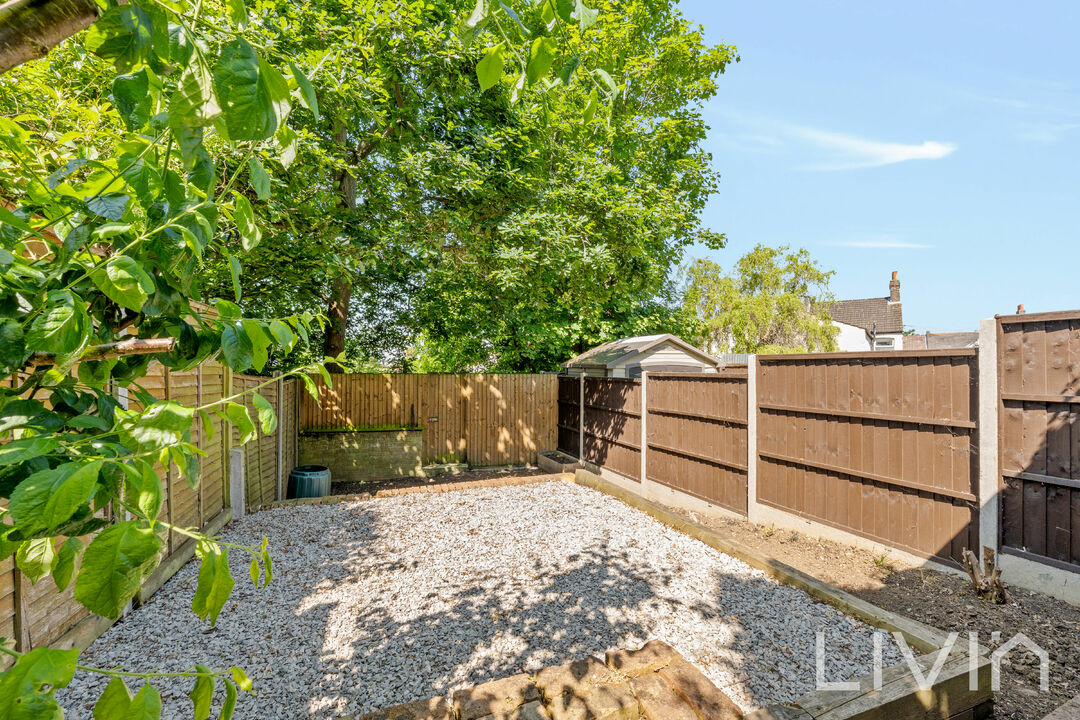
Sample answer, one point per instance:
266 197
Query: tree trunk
30 28
337 309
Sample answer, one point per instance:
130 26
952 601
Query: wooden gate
1039 418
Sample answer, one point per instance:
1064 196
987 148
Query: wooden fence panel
879 444
697 435
486 419
613 424
1039 416
569 422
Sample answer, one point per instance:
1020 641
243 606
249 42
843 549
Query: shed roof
618 351
941 341
866 312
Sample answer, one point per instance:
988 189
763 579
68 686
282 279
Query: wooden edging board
899 694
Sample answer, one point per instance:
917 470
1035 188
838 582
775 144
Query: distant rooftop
882 314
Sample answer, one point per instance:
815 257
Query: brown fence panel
613 424
569 415
482 419
879 444
697 435
1039 418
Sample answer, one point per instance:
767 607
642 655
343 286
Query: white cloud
857 152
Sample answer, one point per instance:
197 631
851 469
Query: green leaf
268 565
490 68
27 688
245 223
265 411
229 706
17 451
13 351
585 16
260 343
110 230
236 347
253 571
203 693
238 416
65 562
207 425
283 335
286 141
307 92
63 327
161 425
113 567
143 489
89 421
255 96
541 56
48 498
123 280
238 13
241 678
194 103
234 274
512 14
36 558
111 205
590 107
122 34
566 72
131 98
215 581
259 179
310 386
146 705
114 702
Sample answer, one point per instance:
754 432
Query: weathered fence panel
878 444
569 415
481 419
612 424
1039 417
696 432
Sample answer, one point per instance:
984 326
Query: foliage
773 301
501 226
145 154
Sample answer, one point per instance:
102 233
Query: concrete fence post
581 417
751 438
644 416
987 439
236 481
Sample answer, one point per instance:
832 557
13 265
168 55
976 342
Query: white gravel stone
383 601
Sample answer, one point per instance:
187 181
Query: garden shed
628 357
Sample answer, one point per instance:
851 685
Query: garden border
950 697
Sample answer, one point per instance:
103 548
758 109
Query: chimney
894 289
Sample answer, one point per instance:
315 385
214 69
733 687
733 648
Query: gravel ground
383 601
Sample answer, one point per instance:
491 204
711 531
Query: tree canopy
445 225
772 301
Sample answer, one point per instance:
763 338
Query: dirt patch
944 601
478 476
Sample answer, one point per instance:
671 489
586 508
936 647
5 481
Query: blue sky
941 140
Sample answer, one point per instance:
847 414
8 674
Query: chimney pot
894 289
893 274
1020 309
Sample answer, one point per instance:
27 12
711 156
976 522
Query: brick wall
359 456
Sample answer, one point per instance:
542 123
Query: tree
128 157
492 227
773 301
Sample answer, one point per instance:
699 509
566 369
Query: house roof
612 353
864 313
941 341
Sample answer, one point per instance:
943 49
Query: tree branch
123 348
30 28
